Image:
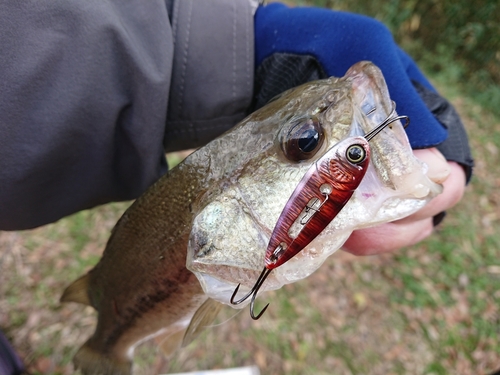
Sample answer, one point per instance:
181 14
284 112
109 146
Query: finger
388 237
453 190
438 167
409 231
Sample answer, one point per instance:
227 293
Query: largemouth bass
182 247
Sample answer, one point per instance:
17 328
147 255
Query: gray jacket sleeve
212 84
92 92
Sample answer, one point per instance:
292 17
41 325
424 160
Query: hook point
253 292
234 295
260 314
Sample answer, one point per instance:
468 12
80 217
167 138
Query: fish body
141 286
204 227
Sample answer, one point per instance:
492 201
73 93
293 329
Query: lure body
321 194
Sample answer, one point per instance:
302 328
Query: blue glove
337 40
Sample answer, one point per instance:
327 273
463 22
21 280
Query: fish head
252 170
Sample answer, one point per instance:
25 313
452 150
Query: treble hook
253 292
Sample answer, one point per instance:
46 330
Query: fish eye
355 154
303 140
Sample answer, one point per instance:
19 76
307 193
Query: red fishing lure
321 194
323 191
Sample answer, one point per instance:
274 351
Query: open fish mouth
230 235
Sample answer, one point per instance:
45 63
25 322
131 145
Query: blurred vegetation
457 39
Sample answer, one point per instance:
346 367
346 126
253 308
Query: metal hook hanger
389 120
253 292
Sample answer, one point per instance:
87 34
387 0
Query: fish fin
92 362
202 318
171 342
77 291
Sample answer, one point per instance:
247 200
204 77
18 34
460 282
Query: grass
429 309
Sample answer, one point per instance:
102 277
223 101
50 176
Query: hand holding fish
418 226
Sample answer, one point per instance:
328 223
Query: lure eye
303 140
355 154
